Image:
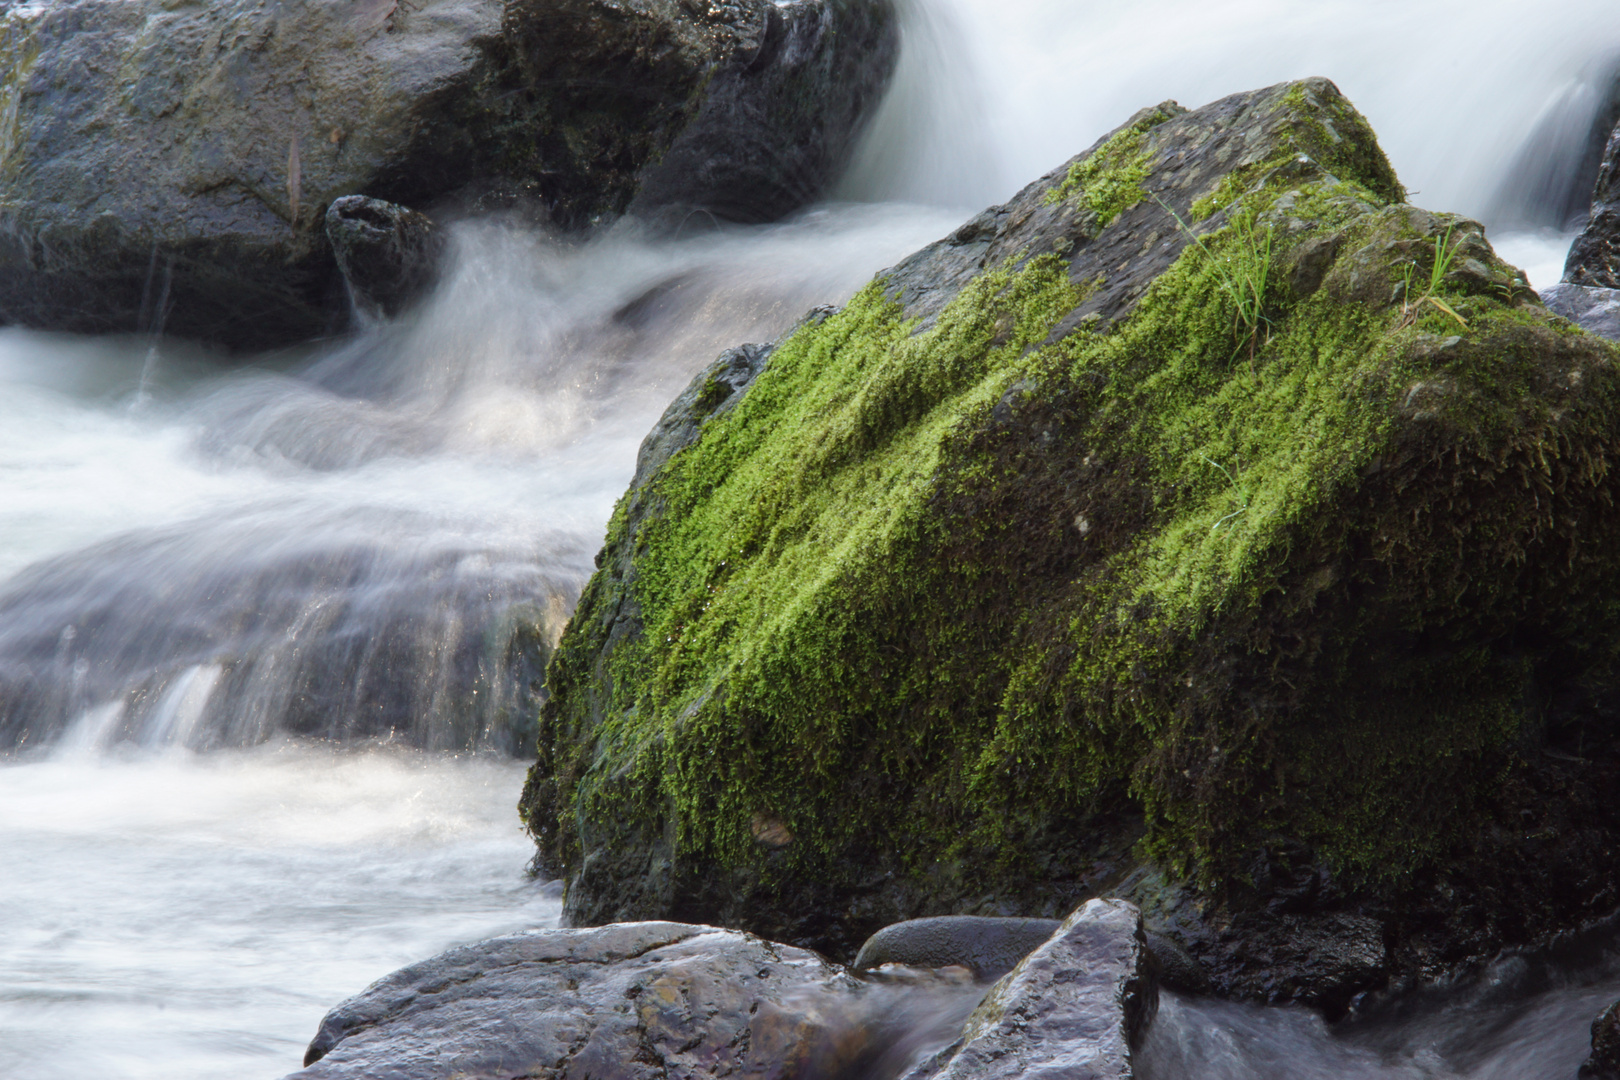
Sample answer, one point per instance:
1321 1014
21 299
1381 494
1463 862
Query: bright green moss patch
949 601
1108 181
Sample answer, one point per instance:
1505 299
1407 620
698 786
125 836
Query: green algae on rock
1017 580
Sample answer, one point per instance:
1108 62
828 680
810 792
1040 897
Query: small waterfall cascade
272 628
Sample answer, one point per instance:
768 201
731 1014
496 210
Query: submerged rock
627 1001
167 166
1075 1008
1206 526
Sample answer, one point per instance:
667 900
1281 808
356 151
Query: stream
271 631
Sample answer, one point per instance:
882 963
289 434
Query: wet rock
1594 258
167 166
1596 309
1604 1064
988 946
1025 563
626 1001
1075 1008
388 254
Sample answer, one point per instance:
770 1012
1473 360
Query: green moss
1108 181
946 594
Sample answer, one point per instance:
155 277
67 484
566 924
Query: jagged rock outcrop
1076 1007
1205 526
167 165
1604 1064
1594 258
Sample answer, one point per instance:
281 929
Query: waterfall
209 563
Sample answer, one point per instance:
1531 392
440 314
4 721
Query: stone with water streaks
1074 1009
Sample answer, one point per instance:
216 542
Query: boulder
167 166
1594 258
1206 526
1074 1009
1604 1064
628 1001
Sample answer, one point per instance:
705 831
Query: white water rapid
270 631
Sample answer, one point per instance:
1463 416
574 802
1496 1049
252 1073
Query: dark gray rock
167 166
1075 1008
989 946
1604 1064
1595 309
632 1000
1594 258
388 254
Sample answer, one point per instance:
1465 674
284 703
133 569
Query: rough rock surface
1592 308
1074 1009
388 254
1041 558
167 165
635 1000
1604 1064
1594 258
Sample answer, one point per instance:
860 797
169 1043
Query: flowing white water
376 538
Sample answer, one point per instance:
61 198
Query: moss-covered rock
166 164
1205 525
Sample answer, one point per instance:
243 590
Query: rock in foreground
167 166
1281 557
1074 1009
628 1001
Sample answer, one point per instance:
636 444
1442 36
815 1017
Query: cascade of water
381 535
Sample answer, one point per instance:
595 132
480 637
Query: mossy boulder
166 164
1207 525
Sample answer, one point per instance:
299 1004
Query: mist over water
269 626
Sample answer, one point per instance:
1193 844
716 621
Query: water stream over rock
269 630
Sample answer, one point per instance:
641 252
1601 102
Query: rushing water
266 628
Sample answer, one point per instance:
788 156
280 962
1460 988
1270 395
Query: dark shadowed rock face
1604 1064
1594 259
387 254
1041 571
167 166
632 1001
1075 1008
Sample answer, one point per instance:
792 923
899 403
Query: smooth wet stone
1595 309
631 1001
989 947
1074 1009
